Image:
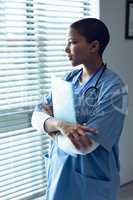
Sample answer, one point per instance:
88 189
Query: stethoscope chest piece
91 96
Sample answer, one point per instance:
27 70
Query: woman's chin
74 64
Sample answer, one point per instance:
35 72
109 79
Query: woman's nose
67 49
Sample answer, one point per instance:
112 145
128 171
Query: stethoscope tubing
85 88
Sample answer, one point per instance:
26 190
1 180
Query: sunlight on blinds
32 43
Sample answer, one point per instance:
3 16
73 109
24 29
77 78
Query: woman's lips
70 57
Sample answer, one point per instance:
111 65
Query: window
32 42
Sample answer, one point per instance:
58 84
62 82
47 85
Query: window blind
32 42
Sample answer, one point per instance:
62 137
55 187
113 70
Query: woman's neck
90 69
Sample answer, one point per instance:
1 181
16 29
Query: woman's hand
48 109
76 133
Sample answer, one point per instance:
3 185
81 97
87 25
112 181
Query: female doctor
83 162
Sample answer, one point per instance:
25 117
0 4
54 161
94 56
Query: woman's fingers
75 130
85 141
77 134
82 130
93 130
75 142
82 142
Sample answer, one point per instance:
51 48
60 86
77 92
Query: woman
92 174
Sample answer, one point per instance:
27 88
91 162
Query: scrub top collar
90 80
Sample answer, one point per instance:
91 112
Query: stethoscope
91 90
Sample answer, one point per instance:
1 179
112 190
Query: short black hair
93 29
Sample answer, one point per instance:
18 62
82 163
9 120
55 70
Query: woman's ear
95 45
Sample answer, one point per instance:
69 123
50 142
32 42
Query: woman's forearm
51 125
43 122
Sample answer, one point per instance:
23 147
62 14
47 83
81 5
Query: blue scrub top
94 176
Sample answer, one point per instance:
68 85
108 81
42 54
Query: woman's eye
73 42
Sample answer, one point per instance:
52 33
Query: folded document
63 100
63 107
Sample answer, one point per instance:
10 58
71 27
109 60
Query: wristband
51 132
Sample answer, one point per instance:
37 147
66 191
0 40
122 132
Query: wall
120 56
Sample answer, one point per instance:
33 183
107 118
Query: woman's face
78 49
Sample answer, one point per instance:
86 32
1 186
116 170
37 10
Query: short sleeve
108 116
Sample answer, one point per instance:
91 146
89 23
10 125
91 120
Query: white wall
120 55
